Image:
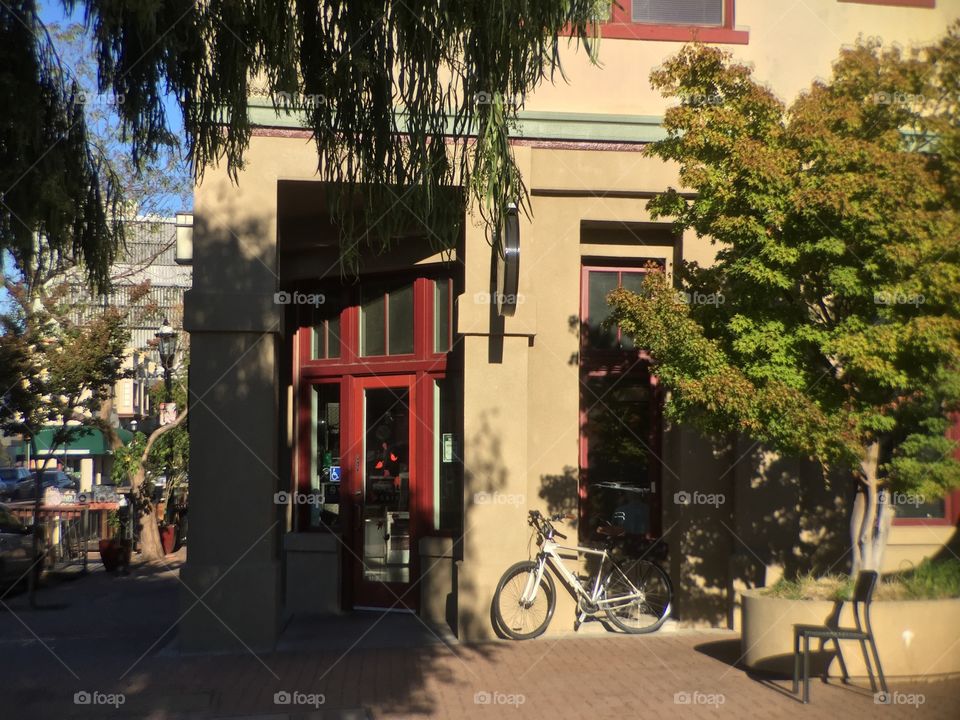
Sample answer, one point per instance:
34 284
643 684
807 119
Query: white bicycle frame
550 553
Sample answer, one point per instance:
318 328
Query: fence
70 532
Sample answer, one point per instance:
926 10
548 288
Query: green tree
829 326
55 372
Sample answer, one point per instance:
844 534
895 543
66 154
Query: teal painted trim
531 125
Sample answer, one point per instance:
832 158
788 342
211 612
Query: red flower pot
168 538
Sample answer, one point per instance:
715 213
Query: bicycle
635 594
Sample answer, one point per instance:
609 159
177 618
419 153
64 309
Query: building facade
158 252
376 442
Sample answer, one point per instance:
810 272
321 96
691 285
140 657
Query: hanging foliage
408 100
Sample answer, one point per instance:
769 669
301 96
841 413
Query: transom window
386 322
401 319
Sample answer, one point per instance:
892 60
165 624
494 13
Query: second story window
678 12
708 21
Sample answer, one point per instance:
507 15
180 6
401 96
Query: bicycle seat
613 531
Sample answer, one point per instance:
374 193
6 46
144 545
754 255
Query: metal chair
862 596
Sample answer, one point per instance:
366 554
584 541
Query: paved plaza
112 639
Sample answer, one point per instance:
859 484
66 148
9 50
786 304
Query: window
386 322
598 283
709 21
326 339
619 416
678 12
324 490
918 510
442 315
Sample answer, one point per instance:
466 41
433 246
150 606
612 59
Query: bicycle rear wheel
646 595
523 620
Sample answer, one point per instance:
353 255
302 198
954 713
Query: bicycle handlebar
544 526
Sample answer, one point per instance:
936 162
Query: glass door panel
386 485
325 456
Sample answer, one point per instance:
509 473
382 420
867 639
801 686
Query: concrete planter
914 637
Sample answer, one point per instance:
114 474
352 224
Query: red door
383 490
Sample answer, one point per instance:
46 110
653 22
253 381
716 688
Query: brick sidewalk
381 676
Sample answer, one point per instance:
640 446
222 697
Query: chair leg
866 659
843 665
806 669
876 657
796 662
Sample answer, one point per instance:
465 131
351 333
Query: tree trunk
872 515
150 545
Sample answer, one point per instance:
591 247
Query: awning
87 441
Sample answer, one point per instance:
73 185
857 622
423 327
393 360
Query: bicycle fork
533 583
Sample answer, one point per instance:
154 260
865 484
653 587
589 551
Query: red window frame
622 27
597 363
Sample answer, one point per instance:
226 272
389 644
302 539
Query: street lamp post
167 348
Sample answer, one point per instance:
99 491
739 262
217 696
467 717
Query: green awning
87 441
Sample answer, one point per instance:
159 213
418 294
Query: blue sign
334 473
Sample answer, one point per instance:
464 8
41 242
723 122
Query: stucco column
232 596
496 354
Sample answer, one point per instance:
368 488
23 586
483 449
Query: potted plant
168 537
114 551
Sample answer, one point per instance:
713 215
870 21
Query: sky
52 13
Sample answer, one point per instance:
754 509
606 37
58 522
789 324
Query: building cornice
530 125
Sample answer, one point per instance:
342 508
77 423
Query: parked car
26 489
9 478
16 549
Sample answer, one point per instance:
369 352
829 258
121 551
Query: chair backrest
866 584
862 596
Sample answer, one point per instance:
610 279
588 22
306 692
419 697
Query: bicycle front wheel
521 620
638 596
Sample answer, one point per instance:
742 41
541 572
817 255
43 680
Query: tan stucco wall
791 43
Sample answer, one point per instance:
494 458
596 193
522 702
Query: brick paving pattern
101 625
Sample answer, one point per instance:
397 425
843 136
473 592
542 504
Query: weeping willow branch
387 88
